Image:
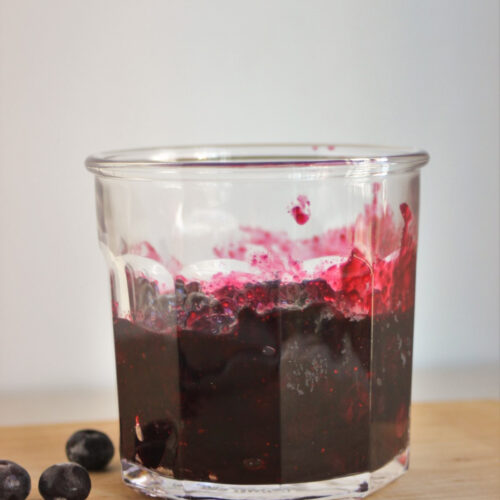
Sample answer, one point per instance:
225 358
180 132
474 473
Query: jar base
354 486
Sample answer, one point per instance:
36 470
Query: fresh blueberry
64 482
90 448
362 487
15 482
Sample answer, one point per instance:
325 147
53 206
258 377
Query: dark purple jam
289 395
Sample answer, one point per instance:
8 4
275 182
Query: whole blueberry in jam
156 442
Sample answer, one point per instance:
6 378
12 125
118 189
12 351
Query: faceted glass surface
263 324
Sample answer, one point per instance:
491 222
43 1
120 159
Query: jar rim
342 158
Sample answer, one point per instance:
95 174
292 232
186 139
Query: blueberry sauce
294 373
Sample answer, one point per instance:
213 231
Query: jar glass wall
263 303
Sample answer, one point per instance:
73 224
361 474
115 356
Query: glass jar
263 303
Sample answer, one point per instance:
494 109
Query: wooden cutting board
455 454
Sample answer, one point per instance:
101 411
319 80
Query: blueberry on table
90 448
15 482
363 487
64 482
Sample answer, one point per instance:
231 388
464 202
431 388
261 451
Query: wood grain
455 454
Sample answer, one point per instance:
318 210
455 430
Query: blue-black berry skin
64 482
363 487
90 448
15 482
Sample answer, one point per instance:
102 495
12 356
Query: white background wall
82 76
